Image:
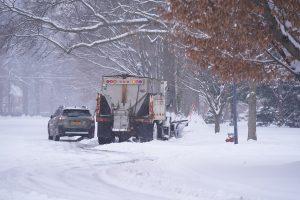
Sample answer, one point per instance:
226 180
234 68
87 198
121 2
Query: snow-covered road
198 166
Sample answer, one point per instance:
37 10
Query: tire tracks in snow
77 175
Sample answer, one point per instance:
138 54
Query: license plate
76 123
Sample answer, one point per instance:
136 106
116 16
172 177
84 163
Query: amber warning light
122 81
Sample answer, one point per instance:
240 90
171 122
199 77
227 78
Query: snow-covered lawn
198 166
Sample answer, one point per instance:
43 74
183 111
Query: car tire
91 135
56 136
49 136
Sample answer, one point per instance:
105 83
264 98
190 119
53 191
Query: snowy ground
198 166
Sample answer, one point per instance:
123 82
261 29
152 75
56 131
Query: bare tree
99 36
70 24
215 93
118 35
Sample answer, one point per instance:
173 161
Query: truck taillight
151 109
111 81
137 81
124 81
98 104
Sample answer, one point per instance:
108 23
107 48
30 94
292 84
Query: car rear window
76 113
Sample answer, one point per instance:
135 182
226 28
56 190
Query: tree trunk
252 112
280 105
169 74
280 115
1 97
52 99
25 99
217 123
177 94
10 98
37 97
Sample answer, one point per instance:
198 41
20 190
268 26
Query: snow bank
200 165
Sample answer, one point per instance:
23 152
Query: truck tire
148 132
56 138
157 131
102 140
124 137
142 132
160 132
104 133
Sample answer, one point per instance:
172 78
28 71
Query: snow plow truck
131 106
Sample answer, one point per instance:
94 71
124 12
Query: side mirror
51 116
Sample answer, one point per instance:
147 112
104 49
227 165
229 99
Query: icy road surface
198 166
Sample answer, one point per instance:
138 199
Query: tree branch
58 27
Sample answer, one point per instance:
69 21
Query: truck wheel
157 131
124 138
101 140
56 138
105 135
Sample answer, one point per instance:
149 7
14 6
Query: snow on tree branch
111 39
92 21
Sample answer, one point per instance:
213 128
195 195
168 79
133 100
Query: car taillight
61 118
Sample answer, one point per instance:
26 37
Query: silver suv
71 121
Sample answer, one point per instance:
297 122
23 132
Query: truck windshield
76 113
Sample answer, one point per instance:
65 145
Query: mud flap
105 133
121 121
144 132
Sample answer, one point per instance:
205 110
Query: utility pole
234 110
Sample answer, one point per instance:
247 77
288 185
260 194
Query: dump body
128 93
127 100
